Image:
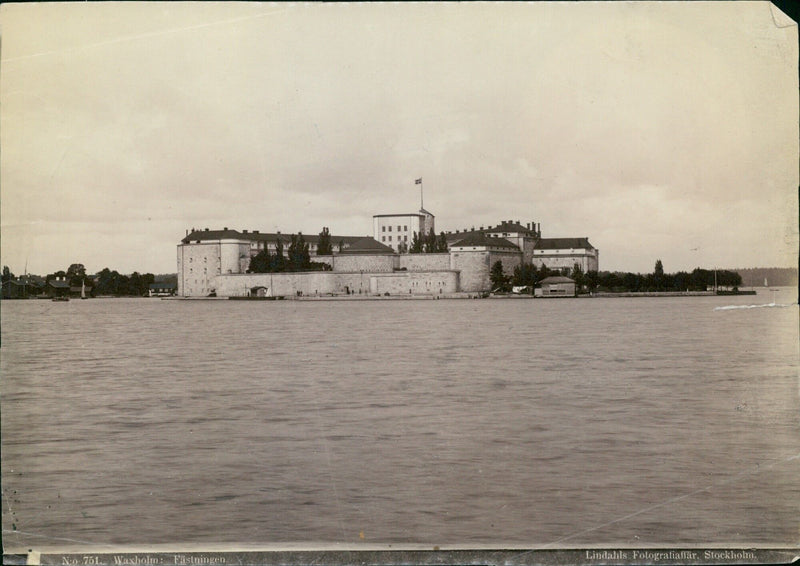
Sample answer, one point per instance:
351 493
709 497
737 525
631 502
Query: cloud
670 126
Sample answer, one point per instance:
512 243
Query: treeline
296 259
427 243
697 280
105 282
113 283
530 275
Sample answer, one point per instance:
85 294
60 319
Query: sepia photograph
399 283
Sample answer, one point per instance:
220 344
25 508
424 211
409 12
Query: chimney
225 229
244 231
187 232
206 229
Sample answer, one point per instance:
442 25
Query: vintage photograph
399 277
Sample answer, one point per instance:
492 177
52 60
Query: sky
659 130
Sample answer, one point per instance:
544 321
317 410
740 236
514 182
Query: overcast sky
658 130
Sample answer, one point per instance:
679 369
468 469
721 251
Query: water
541 423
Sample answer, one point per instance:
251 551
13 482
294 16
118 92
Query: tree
76 273
544 273
7 275
56 275
261 262
278 262
324 246
441 243
577 276
681 281
658 275
497 277
430 242
299 257
416 244
632 282
524 275
590 280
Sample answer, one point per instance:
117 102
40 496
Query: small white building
556 287
397 230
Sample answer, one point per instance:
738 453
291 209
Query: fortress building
217 261
397 230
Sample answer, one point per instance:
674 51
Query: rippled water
515 422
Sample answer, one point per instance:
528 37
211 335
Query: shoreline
462 296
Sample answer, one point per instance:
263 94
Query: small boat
83 289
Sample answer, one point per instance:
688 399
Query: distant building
555 253
476 252
397 230
205 254
161 289
58 287
19 289
565 253
217 261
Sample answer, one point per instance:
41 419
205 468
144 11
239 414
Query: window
383 228
390 238
383 238
390 228
405 228
398 228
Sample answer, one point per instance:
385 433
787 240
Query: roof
556 279
205 235
481 239
506 226
396 215
563 243
367 245
423 211
212 235
162 285
60 284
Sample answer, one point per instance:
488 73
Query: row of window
205 270
404 239
405 228
260 246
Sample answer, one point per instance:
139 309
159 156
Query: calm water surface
536 423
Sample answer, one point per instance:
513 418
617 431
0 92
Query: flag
418 181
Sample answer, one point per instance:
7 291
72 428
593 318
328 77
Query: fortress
216 262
